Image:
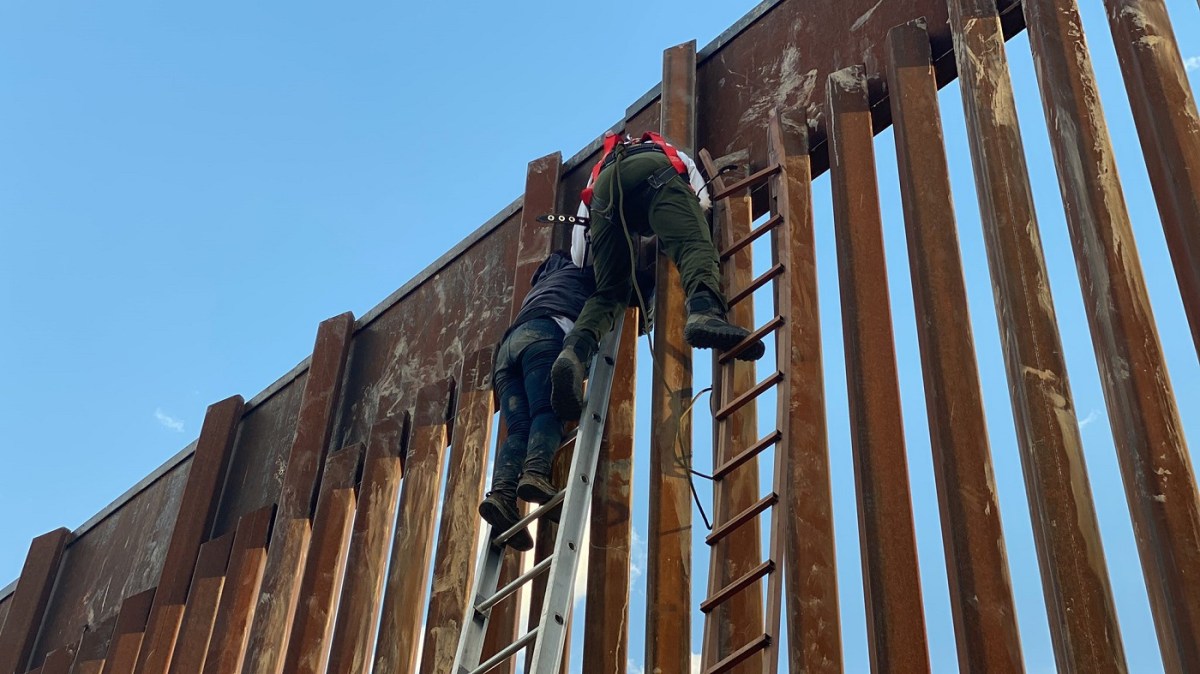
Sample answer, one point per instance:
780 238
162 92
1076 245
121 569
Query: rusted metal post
1083 621
669 573
895 620
1164 110
606 619
308 646
740 619
412 546
28 604
239 596
810 564
454 565
374 521
293 527
533 245
1160 484
195 629
127 635
59 660
985 622
198 507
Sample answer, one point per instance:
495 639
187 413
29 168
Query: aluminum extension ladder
549 636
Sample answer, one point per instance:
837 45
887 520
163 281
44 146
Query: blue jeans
522 383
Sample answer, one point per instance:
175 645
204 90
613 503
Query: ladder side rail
551 632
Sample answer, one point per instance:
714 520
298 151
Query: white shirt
579 245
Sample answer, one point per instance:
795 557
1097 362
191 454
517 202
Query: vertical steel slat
1160 484
981 599
669 560
895 620
374 521
1164 111
412 545
454 564
243 579
292 530
606 620
1083 622
308 647
809 557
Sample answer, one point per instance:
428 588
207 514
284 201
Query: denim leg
545 430
514 409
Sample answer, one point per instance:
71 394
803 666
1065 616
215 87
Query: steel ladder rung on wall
549 636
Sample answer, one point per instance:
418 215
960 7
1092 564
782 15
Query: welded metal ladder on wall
728 402
575 499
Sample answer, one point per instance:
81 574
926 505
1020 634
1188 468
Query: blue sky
186 192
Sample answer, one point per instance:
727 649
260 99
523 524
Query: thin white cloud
695 663
1089 419
169 422
1192 63
632 667
637 555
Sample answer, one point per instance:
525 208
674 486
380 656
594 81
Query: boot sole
722 339
567 405
500 522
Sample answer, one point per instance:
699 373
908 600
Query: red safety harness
611 140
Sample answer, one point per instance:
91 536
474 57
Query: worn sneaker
566 376
706 328
502 514
535 487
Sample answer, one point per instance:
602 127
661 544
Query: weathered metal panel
1164 109
29 602
239 595
197 510
895 620
119 557
454 565
412 547
1083 622
292 531
810 564
308 644
1160 484
985 621
260 453
60 660
93 648
669 562
374 520
606 616
196 627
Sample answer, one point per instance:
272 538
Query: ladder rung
506 652
738 585
526 520
759 643
747 182
512 587
758 334
732 464
757 283
737 403
751 237
741 518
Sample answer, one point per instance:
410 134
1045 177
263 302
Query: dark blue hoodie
559 289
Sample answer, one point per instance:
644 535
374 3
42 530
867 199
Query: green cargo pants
672 212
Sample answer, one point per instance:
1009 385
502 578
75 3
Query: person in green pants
643 188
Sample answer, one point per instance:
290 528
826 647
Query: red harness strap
610 143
